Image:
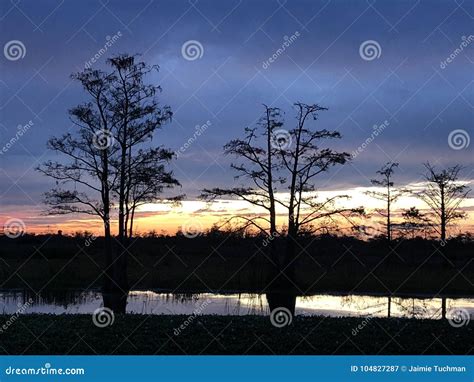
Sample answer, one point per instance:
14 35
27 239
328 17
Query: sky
406 65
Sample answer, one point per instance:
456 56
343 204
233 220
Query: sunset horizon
170 219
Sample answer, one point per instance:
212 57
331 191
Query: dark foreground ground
138 334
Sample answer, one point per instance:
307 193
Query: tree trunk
389 230
443 308
281 300
108 245
120 267
282 292
108 250
121 228
289 259
115 282
116 301
389 224
115 288
443 217
132 217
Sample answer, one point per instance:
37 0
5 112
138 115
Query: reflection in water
149 302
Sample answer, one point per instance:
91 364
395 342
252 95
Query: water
151 302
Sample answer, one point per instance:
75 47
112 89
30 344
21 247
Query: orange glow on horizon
168 219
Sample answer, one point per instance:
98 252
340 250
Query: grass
138 334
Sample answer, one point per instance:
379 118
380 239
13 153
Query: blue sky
405 85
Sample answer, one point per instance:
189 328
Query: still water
154 302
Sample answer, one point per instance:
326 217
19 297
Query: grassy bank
137 334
